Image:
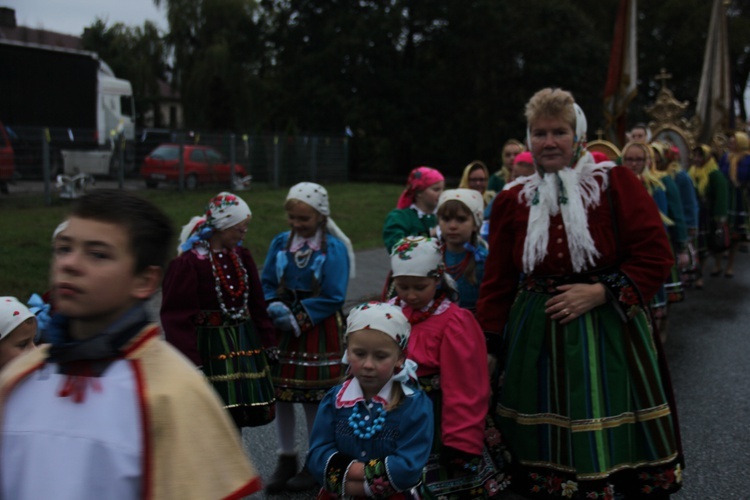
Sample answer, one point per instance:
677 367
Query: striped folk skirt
585 409
310 364
484 477
236 366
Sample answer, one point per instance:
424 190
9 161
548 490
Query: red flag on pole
622 78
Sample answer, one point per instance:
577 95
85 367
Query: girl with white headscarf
213 310
388 420
460 216
577 250
305 279
449 348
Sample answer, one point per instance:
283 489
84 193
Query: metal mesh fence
274 159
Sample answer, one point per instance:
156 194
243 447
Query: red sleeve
464 381
179 303
256 303
646 255
500 274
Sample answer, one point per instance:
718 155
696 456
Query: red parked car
7 162
203 165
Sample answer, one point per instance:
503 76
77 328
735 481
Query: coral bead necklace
221 284
418 316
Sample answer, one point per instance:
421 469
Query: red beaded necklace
426 314
238 269
457 270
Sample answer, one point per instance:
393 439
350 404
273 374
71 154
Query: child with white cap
17 329
464 252
305 278
373 433
449 348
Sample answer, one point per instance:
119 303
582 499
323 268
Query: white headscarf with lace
316 196
570 191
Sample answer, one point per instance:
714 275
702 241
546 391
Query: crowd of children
403 398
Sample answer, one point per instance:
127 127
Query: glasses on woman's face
633 160
477 180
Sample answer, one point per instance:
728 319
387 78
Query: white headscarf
570 191
316 196
223 211
13 313
471 198
417 256
388 319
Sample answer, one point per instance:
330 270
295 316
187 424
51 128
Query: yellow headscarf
504 172
700 173
647 177
464 184
662 149
742 145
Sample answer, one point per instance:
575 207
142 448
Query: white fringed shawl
570 191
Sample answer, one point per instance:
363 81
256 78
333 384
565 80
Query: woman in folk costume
213 310
415 211
586 407
735 165
508 153
638 157
305 278
713 195
448 346
682 209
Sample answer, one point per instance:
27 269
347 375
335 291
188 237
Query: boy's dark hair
149 228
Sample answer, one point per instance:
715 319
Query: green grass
26 225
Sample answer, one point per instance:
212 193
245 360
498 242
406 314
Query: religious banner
622 78
714 103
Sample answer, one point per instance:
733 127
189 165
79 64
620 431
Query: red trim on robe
145 425
250 488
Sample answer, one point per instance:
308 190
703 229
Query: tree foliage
137 54
433 82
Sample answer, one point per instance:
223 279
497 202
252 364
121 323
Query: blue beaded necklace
359 423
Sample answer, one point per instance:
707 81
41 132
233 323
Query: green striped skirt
236 366
310 364
584 408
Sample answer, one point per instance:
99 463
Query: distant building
168 106
9 30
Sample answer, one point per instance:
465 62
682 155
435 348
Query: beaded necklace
221 282
439 297
359 422
457 270
302 257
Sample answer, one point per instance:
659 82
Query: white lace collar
419 211
314 243
351 393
